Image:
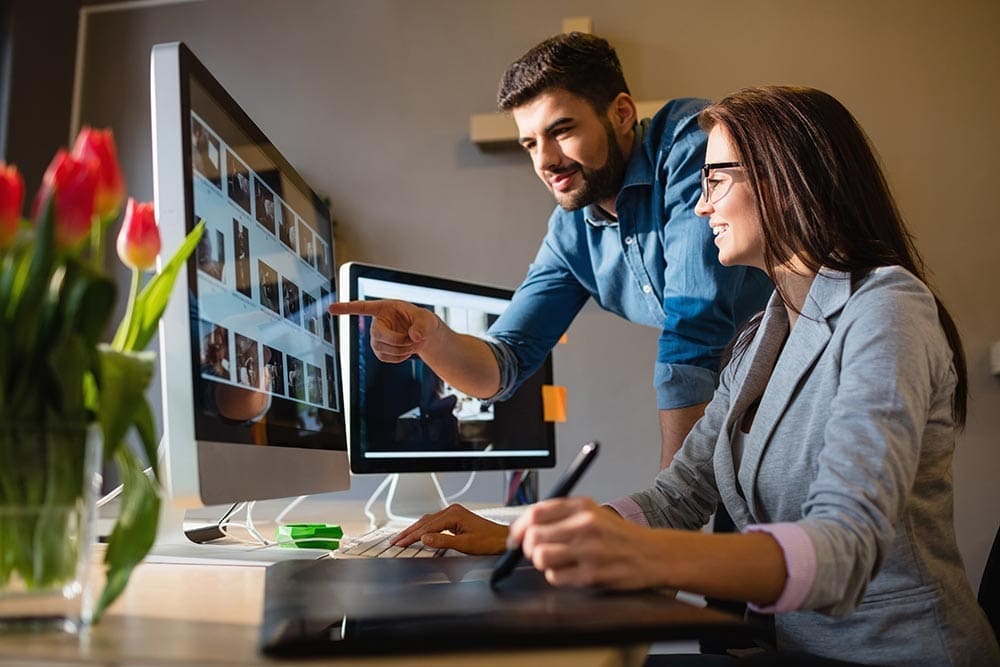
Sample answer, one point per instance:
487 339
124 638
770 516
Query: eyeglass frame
706 169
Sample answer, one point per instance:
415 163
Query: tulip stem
97 243
133 294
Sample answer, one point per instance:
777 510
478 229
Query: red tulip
139 239
73 183
99 146
11 199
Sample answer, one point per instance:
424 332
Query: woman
830 437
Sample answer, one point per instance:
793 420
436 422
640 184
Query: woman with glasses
830 437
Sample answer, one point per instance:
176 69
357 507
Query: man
623 232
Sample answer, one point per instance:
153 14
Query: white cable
224 528
117 491
372 521
110 495
458 494
250 525
225 521
256 539
472 477
252 529
288 508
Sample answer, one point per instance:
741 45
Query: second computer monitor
404 418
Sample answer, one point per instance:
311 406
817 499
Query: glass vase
49 481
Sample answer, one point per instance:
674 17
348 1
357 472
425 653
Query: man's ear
622 112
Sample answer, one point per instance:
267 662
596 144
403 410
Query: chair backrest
989 586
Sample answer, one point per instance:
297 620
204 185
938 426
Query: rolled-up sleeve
629 510
539 314
800 565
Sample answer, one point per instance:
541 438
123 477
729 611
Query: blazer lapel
807 340
750 379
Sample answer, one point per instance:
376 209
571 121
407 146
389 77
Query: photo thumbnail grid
293 294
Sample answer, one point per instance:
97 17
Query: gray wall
371 101
36 82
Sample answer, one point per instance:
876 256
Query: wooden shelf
498 130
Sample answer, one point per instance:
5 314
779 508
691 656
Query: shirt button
647 289
628 240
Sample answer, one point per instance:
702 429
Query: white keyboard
503 514
375 544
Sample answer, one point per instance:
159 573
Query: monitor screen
249 358
404 418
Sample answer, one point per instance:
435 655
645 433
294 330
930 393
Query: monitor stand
411 495
174 544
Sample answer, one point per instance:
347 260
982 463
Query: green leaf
86 298
136 333
32 274
62 377
8 261
135 530
146 428
28 270
82 300
123 380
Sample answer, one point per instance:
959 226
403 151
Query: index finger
429 523
371 308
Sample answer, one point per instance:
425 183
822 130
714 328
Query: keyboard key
391 552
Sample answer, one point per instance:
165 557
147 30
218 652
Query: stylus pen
509 560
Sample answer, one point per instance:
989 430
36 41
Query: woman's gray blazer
853 440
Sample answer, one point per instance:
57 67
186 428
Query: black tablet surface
411 606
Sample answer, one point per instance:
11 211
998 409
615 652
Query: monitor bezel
216 472
350 274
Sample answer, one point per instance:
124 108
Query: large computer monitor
249 363
404 419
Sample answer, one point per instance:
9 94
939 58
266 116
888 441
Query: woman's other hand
456 528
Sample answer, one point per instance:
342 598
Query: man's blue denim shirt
656 265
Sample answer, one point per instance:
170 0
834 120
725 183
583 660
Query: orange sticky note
564 338
554 403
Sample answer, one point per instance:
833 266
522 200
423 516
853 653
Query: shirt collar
638 172
598 217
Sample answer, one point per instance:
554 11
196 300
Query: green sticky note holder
309 535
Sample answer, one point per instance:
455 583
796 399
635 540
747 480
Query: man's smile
562 180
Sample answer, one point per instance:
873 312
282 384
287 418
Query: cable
372 521
460 492
117 491
288 508
251 528
468 483
226 531
224 521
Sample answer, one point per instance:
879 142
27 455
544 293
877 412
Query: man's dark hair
579 63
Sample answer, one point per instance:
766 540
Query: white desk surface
180 614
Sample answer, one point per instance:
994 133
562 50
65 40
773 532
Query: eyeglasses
714 186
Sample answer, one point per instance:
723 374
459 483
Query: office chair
989 586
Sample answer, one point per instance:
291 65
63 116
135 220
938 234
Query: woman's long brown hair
821 194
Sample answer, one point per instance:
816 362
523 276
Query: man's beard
598 184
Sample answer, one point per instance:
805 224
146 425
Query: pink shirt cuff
800 563
629 510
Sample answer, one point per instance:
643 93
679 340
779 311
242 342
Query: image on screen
406 418
264 277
